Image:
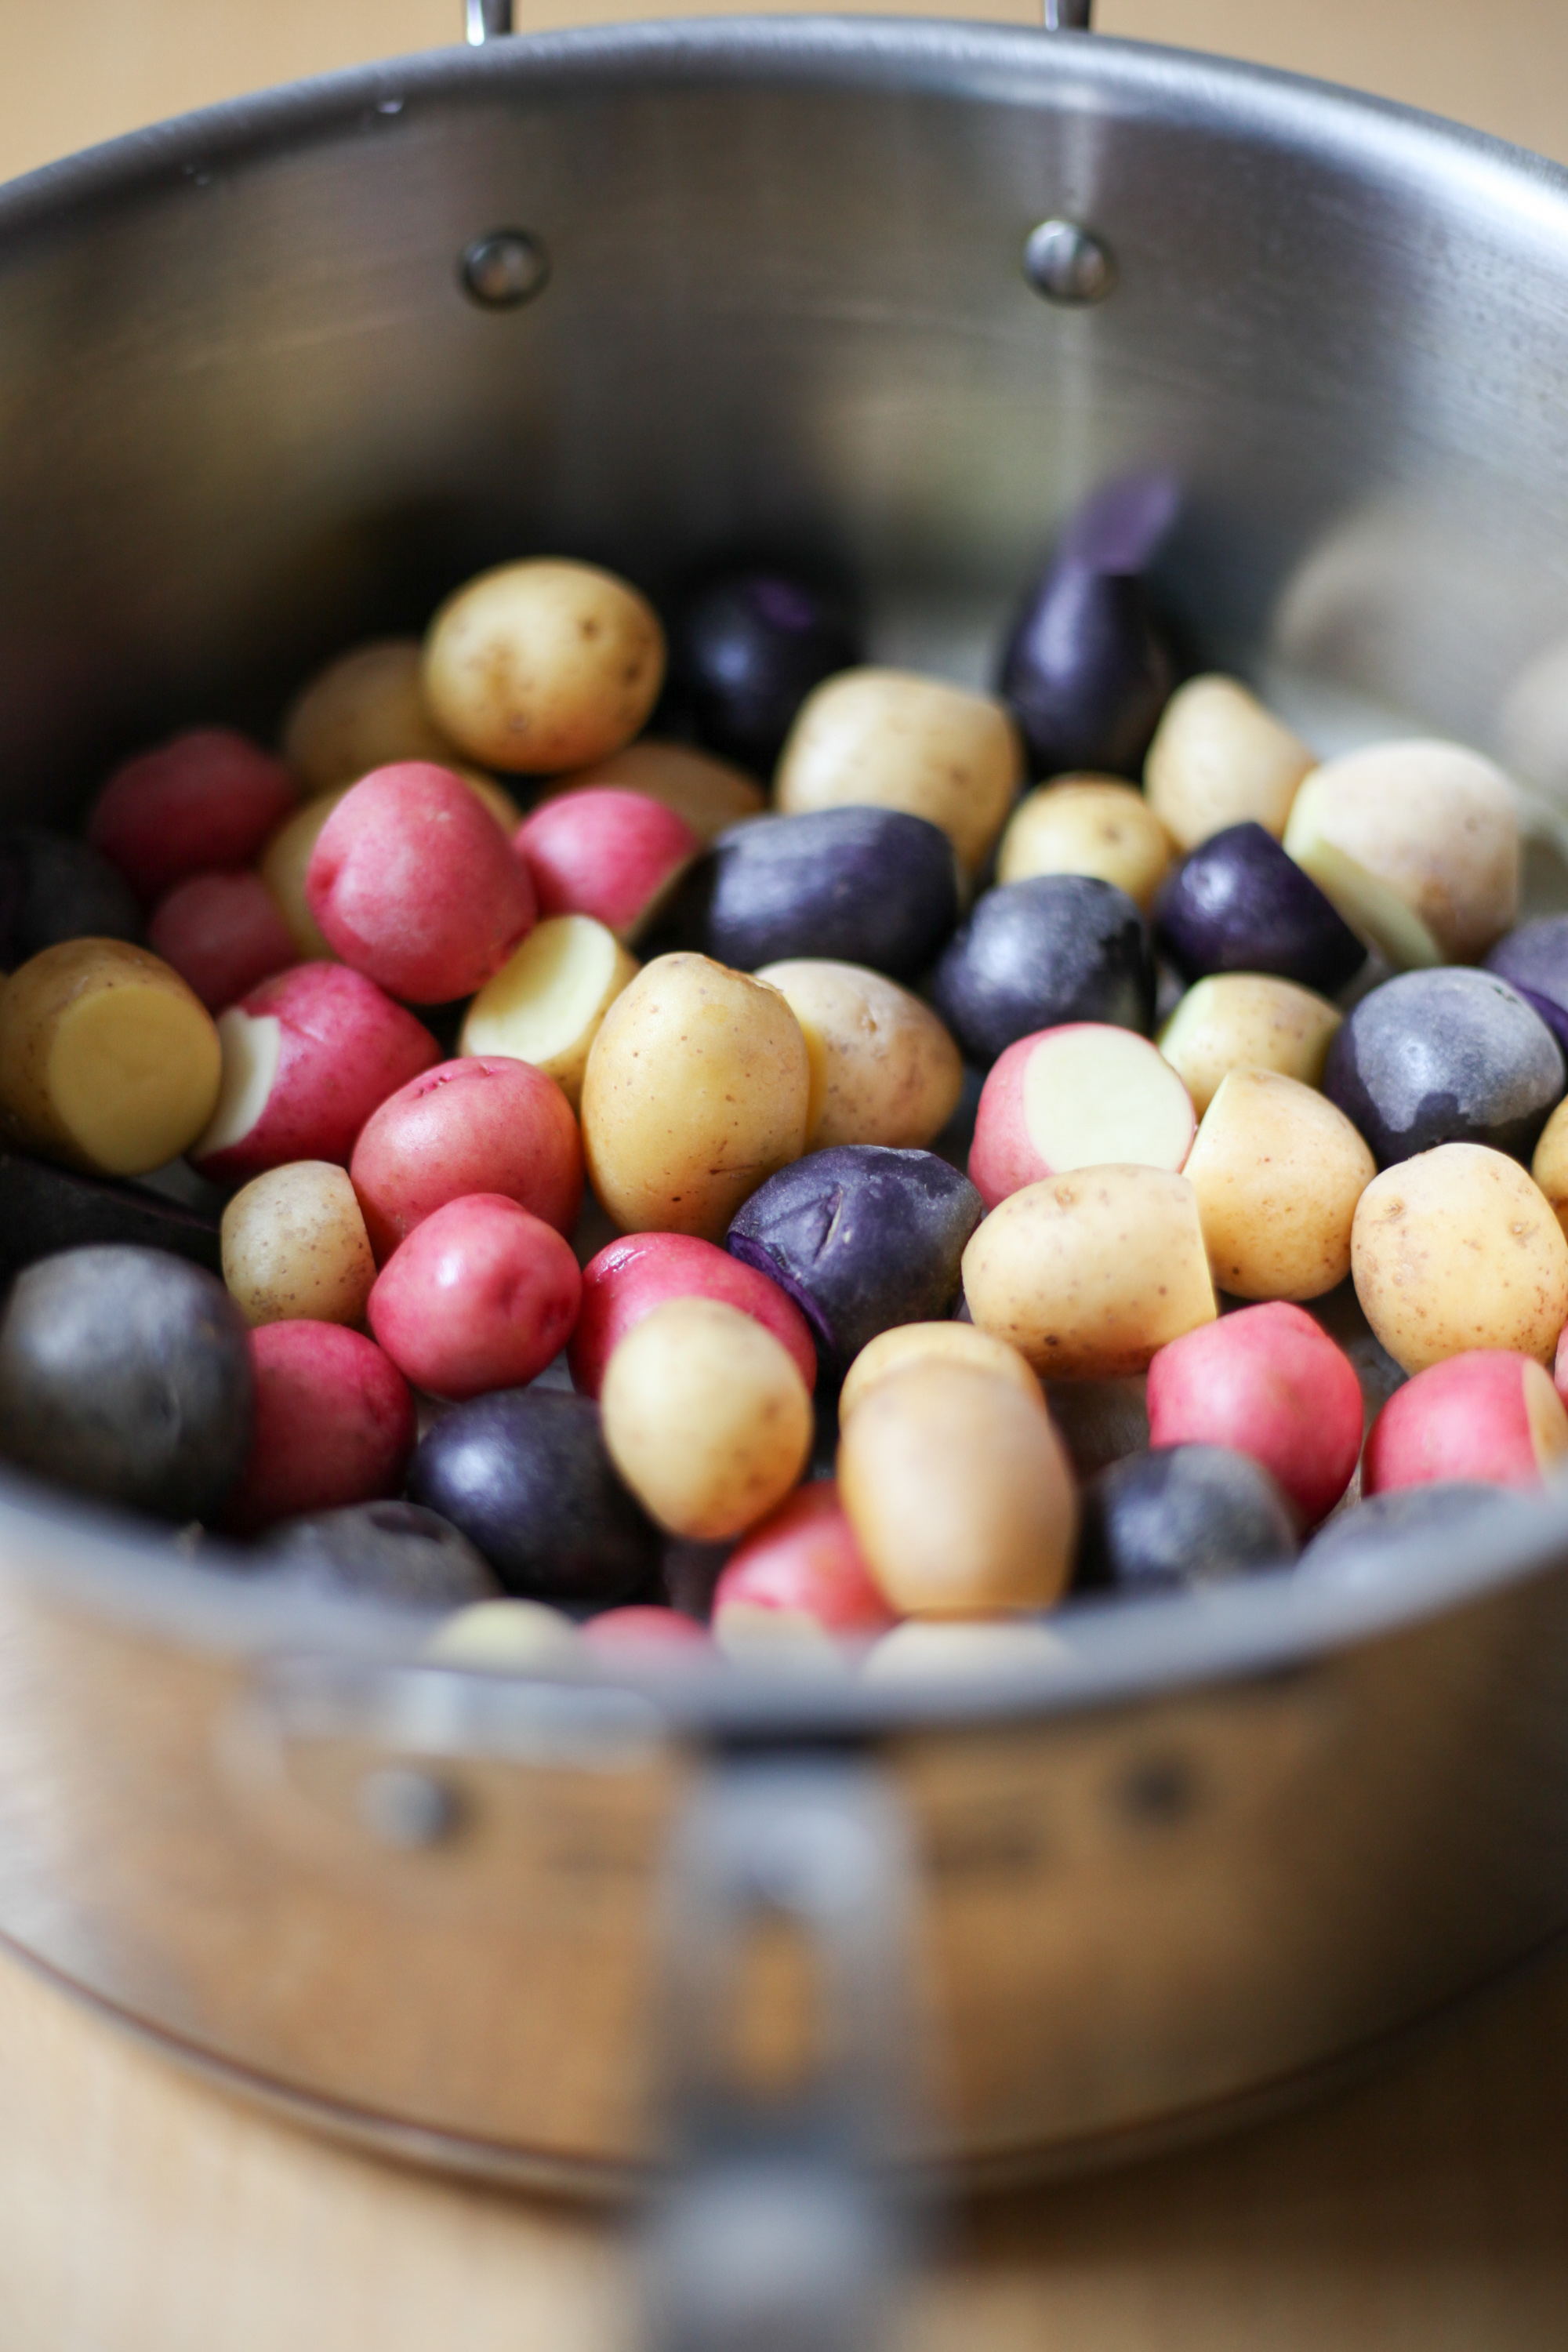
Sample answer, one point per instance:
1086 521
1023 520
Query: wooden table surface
1426 2210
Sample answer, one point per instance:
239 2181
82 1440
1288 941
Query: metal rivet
1068 264
505 269
406 1809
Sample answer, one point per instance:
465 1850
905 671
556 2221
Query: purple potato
867 885
1088 672
745 653
53 888
1060 947
1184 1516
44 1209
1448 1056
862 1237
1353 1538
395 1553
1239 903
1534 960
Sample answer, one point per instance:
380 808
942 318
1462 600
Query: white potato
548 1000
883 1068
294 1244
1246 1019
708 793
1456 1248
894 739
1277 1170
1088 824
363 710
1219 758
907 1343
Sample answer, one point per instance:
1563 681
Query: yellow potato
894 740
706 1418
294 1244
361 711
959 1492
883 1068
283 866
547 1002
1217 759
907 1343
543 664
1088 824
1549 1166
500 1637
1088 1275
708 793
1456 1248
941 1649
1277 1170
493 796
1247 1021
696 1090
108 1061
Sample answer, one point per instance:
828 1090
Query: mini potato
1088 824
294 1245
1416 844
547 1002
1456 1249
955 1343
363 710
883 1068
543 664
959 1491
285 862
706 1417
698 1088
894 739
108 1060
1549 1166
1089 1275
1246 1019
1277 1171
708 793
1218 759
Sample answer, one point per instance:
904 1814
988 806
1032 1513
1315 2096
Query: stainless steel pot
277 375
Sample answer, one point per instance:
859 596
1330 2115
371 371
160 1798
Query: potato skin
895 740
696 1090
1219 758
1088 824
1455 1249
1548 1168
1246 1019
1088 1275
883 1068
907 1343
543 664
294 1245
1277 1171
708 793
362 710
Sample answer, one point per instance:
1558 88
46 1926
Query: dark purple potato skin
1181 1516
861 1236
525 1475
1239 903
1087 672
744 654
1060 947
125 1373
53 887
867 885
1534 960
44 1209
1454 1055
395 1553
1359 1532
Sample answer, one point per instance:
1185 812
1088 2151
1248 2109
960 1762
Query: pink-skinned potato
335 1426
223 934
1490 1414
630 1277
1082 1096
415 883
642 1630
803 1562
205 801
481 1295
307 1057
1269 1382
608 853
480 1124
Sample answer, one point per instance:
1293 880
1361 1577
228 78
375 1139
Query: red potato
306 1059
802 1563
611 853
478 1125
656 1632
1491 1414
203 801
335 1426
481 1295
630 1277
223 934
1269 1382
414 883
1082 1096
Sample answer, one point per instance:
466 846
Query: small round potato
1277 1170
285 863
1247 1021
696 1090
708 793
1089 1274
706 1417
959 1492
1418 846
908 1343
363 710
543 664
1219 758
108 1061
506 1637
894 739
1456 1249
1088 824
883 1069
295 1244
1549 1166
547 1002
950 1649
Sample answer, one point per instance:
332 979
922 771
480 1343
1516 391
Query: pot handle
486 20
